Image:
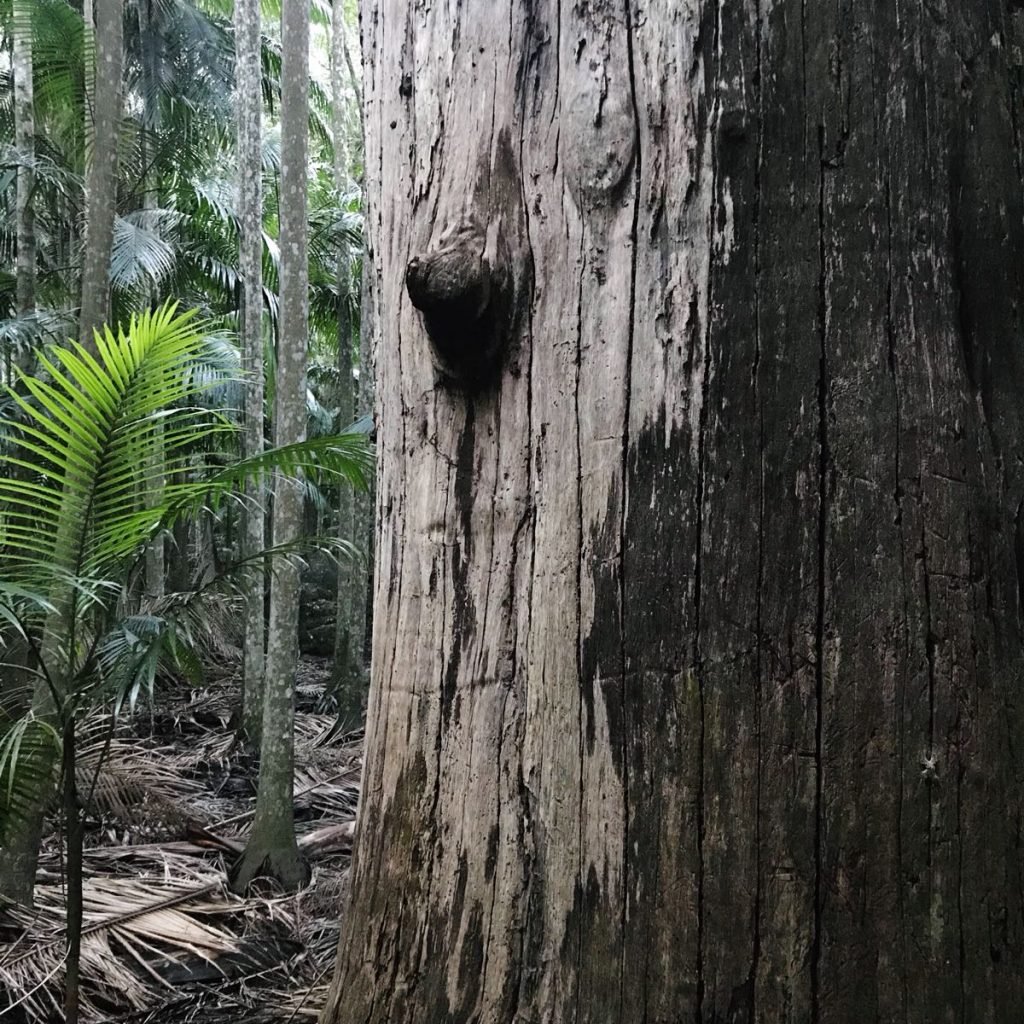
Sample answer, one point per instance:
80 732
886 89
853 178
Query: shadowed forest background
167 167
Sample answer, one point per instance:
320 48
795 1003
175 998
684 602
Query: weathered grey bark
248 111
272 849
101 171
350 624
25 143
699 629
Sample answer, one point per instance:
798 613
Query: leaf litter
170 805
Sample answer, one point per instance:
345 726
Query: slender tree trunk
272 849
75 828
25 143
155 551
699 632
101 172
351 604
248 111
19 850
366 505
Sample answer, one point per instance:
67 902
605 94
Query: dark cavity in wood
464 292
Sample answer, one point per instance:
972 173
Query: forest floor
165 942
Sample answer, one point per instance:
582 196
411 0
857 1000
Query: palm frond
27 758
86 440
134 929
140 256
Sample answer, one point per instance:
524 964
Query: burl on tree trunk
698 634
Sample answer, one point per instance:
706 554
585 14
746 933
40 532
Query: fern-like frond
90 424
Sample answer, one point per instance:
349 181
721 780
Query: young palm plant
74 462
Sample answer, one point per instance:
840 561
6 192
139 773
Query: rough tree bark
272 849
248 112
699 627
101 171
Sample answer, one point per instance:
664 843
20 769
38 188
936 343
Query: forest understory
164 941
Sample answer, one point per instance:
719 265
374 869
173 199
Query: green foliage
29 748
176 233
89 428
103 450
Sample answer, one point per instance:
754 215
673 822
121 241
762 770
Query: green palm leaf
89 426
98 429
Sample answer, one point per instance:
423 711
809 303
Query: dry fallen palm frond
163 944
134 928
333 796
330 839
136 783
312 730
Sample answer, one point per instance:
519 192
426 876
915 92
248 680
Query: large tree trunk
248 112
101 173
698 633
272 849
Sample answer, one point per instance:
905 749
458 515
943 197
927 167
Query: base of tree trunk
17 875
349 683
282 864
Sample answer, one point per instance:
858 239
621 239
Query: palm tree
248 110
25 144
272 849
101 175
351 600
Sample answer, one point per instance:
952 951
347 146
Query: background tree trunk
25 142
272 849
156 569
349 677
101 171
249 103
698 635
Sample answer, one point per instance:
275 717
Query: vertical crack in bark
430 860
526 845
513 981
962 944
583 707
819 629
803 76
759 405
712 118
624 503
929 647
508 684
392 988
558 64
900 682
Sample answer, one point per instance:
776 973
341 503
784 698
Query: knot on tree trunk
464 291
